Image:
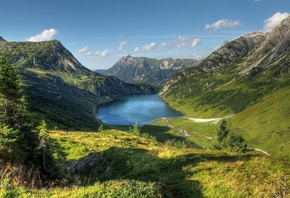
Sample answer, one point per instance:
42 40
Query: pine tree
9 88
15 132
101 127
136 128
13 107
222 132
43 135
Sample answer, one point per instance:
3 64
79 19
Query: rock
85 164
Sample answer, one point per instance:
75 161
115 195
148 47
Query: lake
128 110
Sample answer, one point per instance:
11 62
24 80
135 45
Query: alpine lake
127 110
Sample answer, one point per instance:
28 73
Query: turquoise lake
128 110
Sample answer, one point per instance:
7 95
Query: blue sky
99 32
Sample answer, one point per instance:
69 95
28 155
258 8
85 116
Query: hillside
148 70
114 163
55 83
248 78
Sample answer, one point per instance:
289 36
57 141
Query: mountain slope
47 55
148 70
248 78
235 76
56 83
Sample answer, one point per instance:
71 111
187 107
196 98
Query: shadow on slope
65 106
172 174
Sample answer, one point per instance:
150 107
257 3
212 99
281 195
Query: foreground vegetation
137 165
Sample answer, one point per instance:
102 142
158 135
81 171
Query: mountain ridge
148 70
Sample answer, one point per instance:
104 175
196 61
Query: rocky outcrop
85 164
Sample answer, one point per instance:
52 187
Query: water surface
128 110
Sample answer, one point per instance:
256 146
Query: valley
232 139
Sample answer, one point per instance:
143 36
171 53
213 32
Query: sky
99 32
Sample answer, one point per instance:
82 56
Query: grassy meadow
152 165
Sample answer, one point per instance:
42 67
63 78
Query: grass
141 166
266 124
62 105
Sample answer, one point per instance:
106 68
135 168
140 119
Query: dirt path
184 133
211 120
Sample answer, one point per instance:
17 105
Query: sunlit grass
138 165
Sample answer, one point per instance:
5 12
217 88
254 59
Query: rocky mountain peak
167 63
126 58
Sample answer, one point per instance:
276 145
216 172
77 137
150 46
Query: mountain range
55 83
148 70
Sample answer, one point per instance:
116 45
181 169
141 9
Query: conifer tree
222 132
136 128
15 133
43 135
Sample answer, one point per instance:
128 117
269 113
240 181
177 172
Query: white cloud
180 42
187 42
103 53
146 48
223 23
86 51
121 46
195 42
137 49
168 45
196 56
46 35
274 20
150 47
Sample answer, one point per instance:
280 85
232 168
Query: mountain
47 55
248 79
236 75
148 70
55 83
2 39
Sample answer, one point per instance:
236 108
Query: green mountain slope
266 125
60 88
235 76
148 70
249 78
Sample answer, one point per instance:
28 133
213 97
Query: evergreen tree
43 135
228 140
15 131
101 127
136 128
18 143
222 132
13 107
9 88
52 158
